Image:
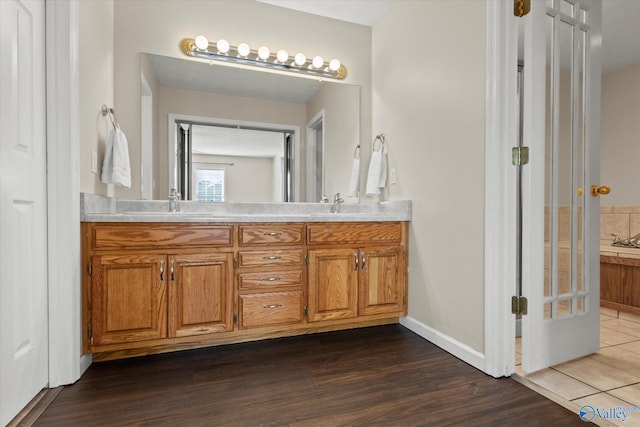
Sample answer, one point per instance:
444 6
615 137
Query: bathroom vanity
619 278
156 281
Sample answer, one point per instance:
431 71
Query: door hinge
521 7
519 305
520 156
90 269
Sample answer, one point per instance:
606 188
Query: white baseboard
445 342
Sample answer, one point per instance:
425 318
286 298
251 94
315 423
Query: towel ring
382 140
112 115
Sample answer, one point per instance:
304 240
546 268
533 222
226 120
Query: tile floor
607 379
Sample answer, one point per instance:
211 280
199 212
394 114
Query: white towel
115 166
354 184
375 173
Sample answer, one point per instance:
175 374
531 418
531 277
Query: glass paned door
560 217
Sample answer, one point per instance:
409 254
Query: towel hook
112 115
380 138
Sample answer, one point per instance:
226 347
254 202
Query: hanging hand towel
373 177
354 184
377 176
115 166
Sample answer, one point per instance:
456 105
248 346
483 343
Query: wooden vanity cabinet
155 281
271 275
157 287
356 269
619 279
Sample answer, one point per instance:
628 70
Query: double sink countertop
94 208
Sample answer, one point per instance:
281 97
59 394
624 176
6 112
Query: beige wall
95 65
620 136
158 26
428 87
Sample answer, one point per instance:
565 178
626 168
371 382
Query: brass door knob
596 191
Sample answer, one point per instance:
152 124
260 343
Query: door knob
595 190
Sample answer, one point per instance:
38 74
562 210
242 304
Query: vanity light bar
200 47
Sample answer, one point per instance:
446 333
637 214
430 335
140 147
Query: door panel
23 213
382 284
200 294
333 284
560 217
129 298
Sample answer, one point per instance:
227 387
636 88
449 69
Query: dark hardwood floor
385 376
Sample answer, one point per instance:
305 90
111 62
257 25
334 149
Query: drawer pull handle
272 279
355 265
162 270
272 257
272 306
273 234
363 261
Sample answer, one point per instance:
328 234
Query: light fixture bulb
282 56
223 46
300 59
317 62
202 43
334 65
263 53
244 50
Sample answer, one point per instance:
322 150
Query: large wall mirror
240 135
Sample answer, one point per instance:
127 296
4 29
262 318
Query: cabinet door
129 298
200 294
382 282
333 284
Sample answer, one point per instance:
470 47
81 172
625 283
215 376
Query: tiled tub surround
623 221
106 209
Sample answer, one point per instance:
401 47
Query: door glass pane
549 260
565 143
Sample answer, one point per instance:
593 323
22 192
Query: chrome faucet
336 203
174 200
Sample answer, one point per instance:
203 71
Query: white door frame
66 362
500 189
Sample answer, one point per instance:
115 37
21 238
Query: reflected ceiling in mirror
235 81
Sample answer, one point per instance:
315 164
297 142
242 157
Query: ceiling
620 28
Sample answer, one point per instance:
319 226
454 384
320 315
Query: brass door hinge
521 7
519 305
520 156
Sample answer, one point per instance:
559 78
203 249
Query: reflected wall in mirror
310 118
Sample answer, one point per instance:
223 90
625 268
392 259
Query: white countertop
105 209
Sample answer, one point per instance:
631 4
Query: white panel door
23 202
560 216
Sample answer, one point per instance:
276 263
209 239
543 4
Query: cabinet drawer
274 257
379 232
271 234
109 236
270 279
270 309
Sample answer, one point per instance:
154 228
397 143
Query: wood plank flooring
384 375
